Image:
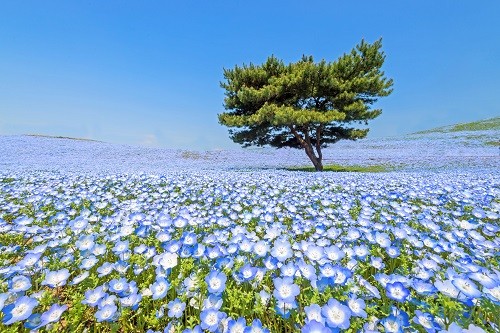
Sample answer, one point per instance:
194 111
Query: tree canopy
306 104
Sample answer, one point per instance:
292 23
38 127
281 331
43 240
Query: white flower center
211 319
20 310
285 291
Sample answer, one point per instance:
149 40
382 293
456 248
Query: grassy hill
481 125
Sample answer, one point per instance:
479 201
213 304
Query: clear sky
148 72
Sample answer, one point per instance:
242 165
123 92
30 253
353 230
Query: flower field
249 251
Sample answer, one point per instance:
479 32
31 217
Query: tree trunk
316 160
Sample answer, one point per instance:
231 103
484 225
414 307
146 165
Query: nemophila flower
131 301
93 296
85 242
288 269
361 251
426 320
447 288
285 290
334 253
106 313
118 286
53 314
357 307
216 282
314 326
493 294
393 251
212 302
159 288
211 319
121 246
4 297
314 253
282 250
283 308
121 266
313 312
105 269
369 287
377 262
176 308
247 272
236 325
256 327
392 324
261 248
160 313
34 322
29 260
79 278
341 274
168 260
467 287
336 314
20 310
307 270
423 288
89 262
19 283
397 291
484 279
56 278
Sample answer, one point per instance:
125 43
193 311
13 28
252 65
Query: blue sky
148 72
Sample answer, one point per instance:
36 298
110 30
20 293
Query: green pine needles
305 105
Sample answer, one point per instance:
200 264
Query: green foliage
492 143
347 168
305 104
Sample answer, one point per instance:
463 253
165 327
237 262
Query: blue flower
53 314
93 296
85 243
285 290
21 309
210 319
120 247
314 253
314 326
392 324
397 291
176 308
467 287
19 283
213 301
281 250
216 282
423 288
106 313
357 306
336 314
247 272
159 288
105 269
118 286
313 312
56 278
256 327
426 320
236 326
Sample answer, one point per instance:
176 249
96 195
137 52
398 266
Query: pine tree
305 105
